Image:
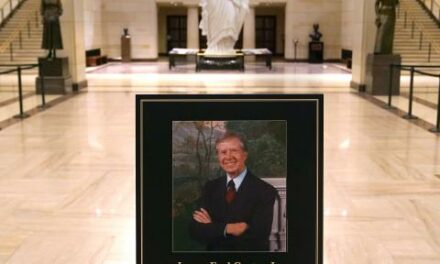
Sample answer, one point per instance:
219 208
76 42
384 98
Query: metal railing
432 7
417 30
8 9
19 68
15 40
414 69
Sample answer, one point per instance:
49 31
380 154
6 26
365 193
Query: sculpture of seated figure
316 35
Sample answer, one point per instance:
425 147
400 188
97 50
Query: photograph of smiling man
227 207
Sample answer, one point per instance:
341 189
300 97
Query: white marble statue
221 23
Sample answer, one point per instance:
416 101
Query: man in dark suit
237 209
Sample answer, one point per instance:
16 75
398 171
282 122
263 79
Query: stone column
363 38
72 27
249 32
152 28
192 38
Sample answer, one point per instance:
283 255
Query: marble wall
300 17
140 17
347 20
93 25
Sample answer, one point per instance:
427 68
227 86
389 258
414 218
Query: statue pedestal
378 74
316 52
220 62
57 79
125 48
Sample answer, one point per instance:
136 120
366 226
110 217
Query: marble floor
67 174
9 96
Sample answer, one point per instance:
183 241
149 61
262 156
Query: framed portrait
230 179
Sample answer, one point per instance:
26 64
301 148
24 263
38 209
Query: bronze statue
385 21
316 35
125 32
51 10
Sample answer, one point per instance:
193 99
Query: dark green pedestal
378 74
57 79
227 62
316 52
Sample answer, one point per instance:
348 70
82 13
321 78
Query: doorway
176 32
265 32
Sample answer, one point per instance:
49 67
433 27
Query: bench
179 52
94 58
264 53
234 61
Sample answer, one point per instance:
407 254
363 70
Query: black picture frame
304 116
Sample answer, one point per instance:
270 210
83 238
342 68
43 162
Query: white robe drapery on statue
221 23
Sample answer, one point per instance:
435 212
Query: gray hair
228 135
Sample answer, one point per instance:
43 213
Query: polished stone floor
67 175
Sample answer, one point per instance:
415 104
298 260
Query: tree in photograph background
195 162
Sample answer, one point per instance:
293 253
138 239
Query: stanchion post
36 19
11 51
412 29
20 95
429 52
436 129
20 40
390 86
43 92
29 28
411 93
405 19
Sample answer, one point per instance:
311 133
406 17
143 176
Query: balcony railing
426 42
433 9
8 9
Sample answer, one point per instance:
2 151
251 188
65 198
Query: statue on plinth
51 10
315 35
385 21
221 23
125 34
316 47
